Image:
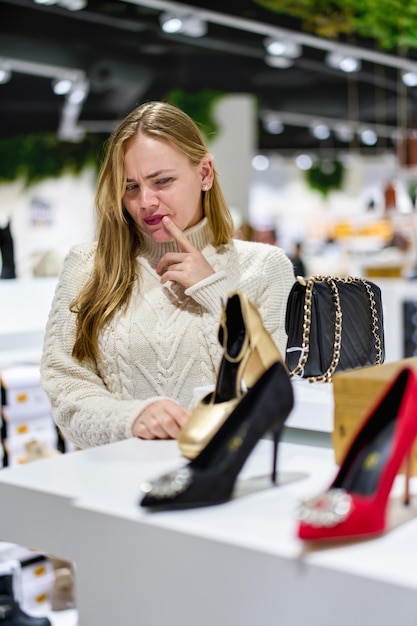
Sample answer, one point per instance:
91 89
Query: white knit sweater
164 344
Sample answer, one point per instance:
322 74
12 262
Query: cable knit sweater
164 344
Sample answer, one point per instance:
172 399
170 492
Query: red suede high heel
355 504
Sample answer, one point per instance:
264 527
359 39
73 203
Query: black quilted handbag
333 324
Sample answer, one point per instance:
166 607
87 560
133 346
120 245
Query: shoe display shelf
33 582
28 433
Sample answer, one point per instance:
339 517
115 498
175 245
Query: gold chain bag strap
365 342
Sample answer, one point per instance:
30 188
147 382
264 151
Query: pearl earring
206 187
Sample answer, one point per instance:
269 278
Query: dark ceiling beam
84 16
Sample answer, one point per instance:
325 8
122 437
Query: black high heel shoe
210 477
249 351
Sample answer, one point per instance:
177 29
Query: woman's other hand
162 419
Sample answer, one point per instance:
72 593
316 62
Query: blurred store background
310 109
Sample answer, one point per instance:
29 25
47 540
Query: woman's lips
152 220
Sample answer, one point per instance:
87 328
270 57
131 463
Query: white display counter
239 563
236 563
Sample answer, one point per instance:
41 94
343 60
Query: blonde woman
133 326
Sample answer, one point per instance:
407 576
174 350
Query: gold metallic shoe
249 351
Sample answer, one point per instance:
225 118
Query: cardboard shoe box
22 392
355 392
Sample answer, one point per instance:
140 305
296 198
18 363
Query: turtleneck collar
199 236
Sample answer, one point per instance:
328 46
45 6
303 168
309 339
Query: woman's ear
207 172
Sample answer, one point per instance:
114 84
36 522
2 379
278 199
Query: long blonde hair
118 240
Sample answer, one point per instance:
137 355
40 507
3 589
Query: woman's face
160 180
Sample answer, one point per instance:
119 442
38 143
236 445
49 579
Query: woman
133 326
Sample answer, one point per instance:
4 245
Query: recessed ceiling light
260 162
320 131
279 62
410 79
345 62
5 75
368 137
190 24
304 162
272 122
282 46
61 86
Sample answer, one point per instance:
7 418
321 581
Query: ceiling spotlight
368 137
349 64
171 23
304 162
410 79
275 47
78 92
73 5
343 62
272 123
70 5
189 24
281 63
285 47
5 75
260 162
320 131
275 127
61 86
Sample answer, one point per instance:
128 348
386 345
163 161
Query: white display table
235 564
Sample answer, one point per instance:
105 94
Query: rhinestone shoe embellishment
169 485
327 509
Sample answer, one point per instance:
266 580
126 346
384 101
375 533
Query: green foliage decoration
412 191
325 176
391 23
199 106
35 157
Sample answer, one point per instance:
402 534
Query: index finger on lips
177 234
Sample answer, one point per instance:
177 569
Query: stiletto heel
276 435
356 502
210 477
249 351
407 480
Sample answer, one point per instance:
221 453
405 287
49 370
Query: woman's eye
131 187
164 181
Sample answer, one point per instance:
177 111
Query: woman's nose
148 197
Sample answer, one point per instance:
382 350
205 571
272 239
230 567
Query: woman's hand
162 419
187 267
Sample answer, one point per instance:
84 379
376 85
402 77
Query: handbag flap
360 320
358 342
